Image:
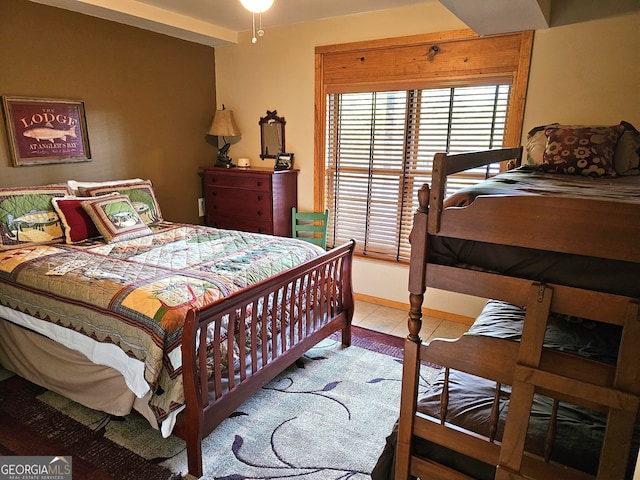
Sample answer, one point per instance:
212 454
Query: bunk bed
555 252
180 323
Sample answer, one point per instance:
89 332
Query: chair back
310 226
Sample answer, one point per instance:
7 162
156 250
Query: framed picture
284 161
44 131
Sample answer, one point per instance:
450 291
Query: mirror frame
268 121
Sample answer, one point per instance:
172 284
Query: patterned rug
30 426
325 417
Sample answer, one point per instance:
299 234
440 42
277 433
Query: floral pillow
115 218
27 216
587 151
76 222
140 194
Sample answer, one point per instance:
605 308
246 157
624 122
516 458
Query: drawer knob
259 213
259 183
259 197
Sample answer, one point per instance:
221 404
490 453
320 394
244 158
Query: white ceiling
233 15
218 22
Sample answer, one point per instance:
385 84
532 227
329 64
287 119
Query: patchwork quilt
135 293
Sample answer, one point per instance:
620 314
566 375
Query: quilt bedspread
135 293
524 181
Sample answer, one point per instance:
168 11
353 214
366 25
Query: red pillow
77 224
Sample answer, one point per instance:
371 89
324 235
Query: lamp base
224 161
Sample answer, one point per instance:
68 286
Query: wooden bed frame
315 313
526 365
302 306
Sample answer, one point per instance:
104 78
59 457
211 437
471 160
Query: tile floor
394 322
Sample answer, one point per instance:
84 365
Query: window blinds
379 150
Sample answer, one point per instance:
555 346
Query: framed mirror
271 135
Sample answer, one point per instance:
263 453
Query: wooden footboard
270 325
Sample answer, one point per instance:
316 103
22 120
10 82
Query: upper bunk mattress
609 276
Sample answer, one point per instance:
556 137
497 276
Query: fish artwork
49 133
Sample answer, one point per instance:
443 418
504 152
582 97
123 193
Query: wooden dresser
252 200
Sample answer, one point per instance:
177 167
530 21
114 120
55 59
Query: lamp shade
224 125
257 6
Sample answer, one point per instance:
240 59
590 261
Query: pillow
584 151
76 222
627 156
27 216
75 186
140 194
536 143
115 218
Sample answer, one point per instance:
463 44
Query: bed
107 303
556 237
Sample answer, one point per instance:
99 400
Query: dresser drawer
240 203
230 222
243 182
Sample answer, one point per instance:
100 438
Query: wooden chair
310 226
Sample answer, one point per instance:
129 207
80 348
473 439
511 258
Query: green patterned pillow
140 194
27 216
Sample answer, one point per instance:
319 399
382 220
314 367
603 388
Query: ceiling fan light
257 6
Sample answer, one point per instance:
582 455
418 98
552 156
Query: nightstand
252 200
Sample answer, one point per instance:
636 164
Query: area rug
325 417
29 426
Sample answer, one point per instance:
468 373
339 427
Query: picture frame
284 161
43 130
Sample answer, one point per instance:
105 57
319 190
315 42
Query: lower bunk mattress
579 431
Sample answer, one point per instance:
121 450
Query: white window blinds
379 149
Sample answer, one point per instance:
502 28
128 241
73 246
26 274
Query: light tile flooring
394 322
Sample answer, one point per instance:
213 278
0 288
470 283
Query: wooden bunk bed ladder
622 399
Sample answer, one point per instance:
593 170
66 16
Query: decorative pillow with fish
27 216
115 217
140 194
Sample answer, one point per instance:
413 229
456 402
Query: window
379 151
385 107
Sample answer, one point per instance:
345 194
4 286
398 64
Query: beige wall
149 99
580 73
586 73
